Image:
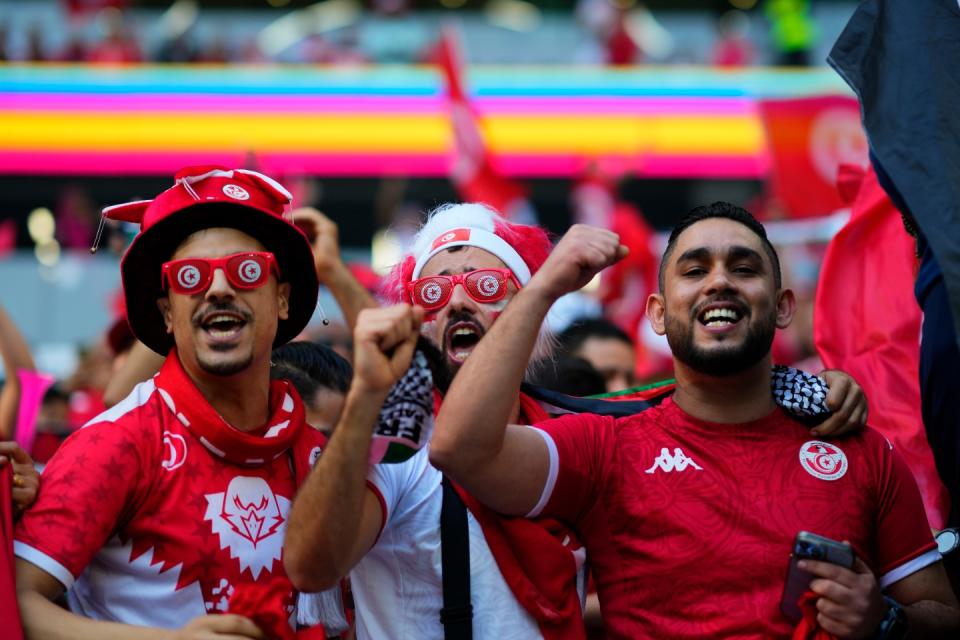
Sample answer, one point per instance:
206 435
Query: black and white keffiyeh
801 394
406 417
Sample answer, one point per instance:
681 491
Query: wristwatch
894 625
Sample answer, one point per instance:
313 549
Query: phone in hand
810 546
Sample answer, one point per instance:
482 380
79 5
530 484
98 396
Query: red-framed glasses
483 285
247 270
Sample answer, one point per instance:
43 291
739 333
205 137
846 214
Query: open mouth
223 326
461 338
717 316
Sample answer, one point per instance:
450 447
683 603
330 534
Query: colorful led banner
369 121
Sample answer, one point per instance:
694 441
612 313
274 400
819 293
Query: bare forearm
16 357
475 412
13 346
350 295
43 620
325 522
931 619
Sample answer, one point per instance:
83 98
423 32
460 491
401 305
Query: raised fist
582 253
383 344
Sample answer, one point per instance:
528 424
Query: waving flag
867 323
900 57
9 613
809 138
472 171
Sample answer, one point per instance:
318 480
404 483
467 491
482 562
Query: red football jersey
689 525
148 520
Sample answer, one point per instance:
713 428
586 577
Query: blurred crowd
603 32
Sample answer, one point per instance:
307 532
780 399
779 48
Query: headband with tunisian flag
470 225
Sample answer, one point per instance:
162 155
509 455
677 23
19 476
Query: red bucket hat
202 198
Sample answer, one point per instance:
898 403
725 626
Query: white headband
474 237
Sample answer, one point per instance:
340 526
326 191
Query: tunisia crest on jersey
823 460
248 518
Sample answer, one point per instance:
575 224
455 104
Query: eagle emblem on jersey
823 460
248 518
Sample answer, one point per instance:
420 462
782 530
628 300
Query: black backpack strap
457 612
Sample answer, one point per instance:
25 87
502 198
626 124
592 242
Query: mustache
462 316
221 307
436 363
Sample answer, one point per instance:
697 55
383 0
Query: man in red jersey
159 509
688 510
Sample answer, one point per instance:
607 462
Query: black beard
455 317
720 361
439 368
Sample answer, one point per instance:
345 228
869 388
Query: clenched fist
383 344
582 253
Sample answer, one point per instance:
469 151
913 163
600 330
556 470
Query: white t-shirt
397 587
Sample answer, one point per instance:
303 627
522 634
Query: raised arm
335 517
506 466
350 295
16 356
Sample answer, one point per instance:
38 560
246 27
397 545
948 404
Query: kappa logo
248 518
676 462
823 460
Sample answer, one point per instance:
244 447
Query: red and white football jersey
689 525
145 519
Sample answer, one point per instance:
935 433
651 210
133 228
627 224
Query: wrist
894 624
361 394
538 296
331 269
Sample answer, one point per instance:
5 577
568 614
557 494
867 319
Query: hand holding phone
810 546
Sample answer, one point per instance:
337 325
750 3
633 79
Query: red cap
204 197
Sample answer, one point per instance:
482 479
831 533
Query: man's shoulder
132 424
140 403
660 414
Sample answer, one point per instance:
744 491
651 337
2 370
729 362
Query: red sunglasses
247 270
483 285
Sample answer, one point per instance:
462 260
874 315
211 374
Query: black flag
902 58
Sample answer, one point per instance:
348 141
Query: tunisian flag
808 139
867 323
9 613
473 172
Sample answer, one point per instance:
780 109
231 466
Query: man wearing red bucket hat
162 507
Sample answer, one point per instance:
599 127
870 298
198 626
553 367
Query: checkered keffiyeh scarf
406 417
801 394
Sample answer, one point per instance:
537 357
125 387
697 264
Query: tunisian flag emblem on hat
453 235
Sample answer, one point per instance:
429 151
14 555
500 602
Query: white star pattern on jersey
248 517
677 462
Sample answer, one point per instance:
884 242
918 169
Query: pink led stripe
269 105
426 165
121 163
640 106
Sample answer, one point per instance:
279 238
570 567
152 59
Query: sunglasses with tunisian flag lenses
483 285
247 270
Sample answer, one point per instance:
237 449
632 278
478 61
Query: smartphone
810 546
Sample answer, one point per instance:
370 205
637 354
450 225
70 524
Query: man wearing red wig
160 509
465 266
